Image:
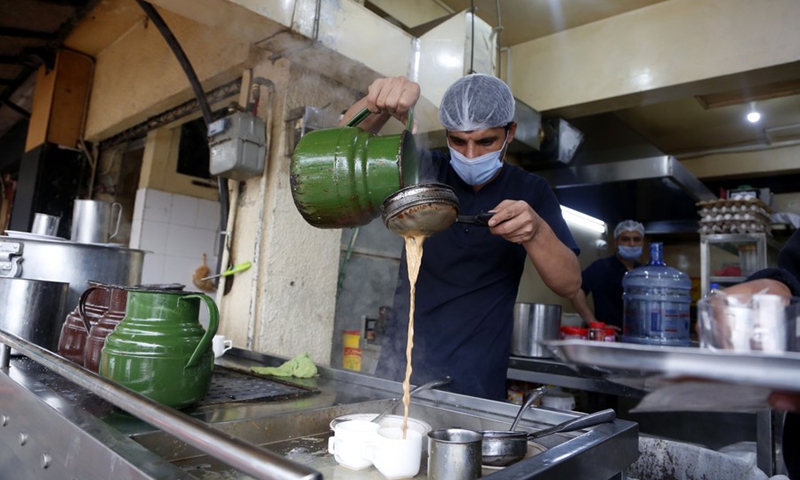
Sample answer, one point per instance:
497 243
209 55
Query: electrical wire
183 60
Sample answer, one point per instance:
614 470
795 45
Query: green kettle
160 349
340 176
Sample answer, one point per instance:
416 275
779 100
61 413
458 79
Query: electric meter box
238 146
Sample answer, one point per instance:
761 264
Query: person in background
603 278
469 275
782 280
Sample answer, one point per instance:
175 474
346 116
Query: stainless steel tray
781 372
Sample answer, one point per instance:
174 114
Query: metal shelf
732 243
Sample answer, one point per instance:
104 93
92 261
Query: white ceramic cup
348 441
394 456
221 345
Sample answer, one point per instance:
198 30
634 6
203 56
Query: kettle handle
364 113
213 323
82 306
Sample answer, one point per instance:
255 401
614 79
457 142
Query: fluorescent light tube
586 221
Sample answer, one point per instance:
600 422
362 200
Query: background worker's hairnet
476 102
628 226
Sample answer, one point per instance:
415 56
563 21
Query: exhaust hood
617 175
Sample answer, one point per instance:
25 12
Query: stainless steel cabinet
729 258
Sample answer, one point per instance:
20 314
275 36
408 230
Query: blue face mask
629 253
478 170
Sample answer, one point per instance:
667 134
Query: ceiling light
586 221
753 116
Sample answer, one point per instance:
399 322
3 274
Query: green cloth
300 366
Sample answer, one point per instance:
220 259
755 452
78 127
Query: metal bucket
533 323
340 176
33 309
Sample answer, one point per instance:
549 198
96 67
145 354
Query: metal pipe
262 207
5 356
242 455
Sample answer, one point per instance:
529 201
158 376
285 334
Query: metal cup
91 221
44 224
454 454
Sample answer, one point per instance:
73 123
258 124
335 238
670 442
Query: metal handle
596 418
358 117
213 324
532 398
82 306
251 459
481 219
426 386
364 113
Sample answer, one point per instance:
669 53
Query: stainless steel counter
79 427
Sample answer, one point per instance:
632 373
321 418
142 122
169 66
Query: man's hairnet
476 102
628 226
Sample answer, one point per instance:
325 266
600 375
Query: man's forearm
581 305
555 262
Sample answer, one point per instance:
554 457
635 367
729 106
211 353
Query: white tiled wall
176 230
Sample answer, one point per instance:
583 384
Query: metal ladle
396 401
423 387
425 209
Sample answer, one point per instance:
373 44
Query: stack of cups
359 444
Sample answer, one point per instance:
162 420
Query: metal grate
227 386
234 386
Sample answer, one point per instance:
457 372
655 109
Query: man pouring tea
469 275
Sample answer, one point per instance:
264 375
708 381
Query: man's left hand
515 221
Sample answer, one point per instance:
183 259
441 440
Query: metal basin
303 437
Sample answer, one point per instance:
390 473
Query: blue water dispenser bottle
656 300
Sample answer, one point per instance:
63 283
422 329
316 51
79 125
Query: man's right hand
393 95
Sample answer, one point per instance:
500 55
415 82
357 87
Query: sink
303 437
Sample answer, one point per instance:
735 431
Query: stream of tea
413 261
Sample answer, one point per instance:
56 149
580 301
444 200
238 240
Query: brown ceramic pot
75 330
118 299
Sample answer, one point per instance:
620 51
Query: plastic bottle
597 331
656 301
611 335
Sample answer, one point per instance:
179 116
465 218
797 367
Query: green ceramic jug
160 349
340 176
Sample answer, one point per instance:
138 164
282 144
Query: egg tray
229 386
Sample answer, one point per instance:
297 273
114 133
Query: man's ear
512 129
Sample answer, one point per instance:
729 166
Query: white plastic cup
221 345
348 442
394 456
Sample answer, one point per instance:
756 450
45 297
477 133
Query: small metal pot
504 447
